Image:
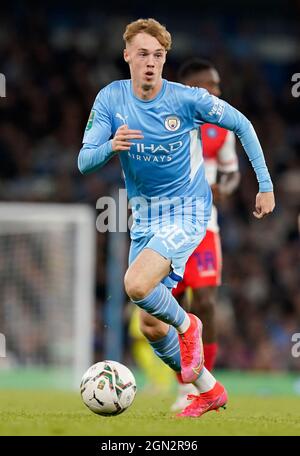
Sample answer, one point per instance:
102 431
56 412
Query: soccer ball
108 388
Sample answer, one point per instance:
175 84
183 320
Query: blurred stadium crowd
55 64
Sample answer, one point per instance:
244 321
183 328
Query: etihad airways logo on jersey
146 152
153 148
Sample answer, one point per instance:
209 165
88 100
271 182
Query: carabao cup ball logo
172 123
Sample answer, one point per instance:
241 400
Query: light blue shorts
172 242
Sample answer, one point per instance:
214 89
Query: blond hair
150 26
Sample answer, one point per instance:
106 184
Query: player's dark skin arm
204 299
227 183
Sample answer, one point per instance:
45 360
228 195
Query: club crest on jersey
172 123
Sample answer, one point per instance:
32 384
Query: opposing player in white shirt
203 270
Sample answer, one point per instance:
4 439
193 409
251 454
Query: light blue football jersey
168 161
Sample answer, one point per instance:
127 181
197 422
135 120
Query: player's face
146 57
206 79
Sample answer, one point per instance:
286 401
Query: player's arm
226 184
98 147
228 177
213 110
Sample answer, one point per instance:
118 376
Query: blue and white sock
161 304
167 349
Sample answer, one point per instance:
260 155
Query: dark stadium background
57 55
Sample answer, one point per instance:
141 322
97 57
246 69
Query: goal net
46 293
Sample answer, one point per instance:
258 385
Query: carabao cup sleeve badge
90 121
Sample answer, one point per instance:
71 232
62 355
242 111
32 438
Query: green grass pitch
59 413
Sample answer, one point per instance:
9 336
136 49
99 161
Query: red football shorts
204 267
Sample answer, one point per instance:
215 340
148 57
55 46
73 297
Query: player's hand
218 194
264 204
121 140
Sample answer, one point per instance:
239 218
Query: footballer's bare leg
204 306
143 285
152 328
146 271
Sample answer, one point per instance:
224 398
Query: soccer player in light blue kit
153 126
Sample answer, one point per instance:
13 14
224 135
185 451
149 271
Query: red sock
179 378
210 354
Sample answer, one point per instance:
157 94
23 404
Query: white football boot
181 400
